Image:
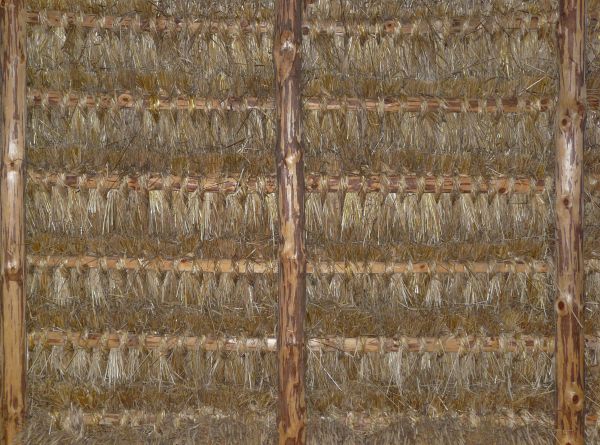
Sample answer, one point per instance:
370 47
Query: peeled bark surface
292 257
12 220
570 124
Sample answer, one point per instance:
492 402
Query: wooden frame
12 221
570 125
292 257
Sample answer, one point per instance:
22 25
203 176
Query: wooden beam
12 220
570 125
287 41
392 104
315 183
505 343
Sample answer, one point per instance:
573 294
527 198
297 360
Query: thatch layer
459 362
354 428
356 216
395 232
408 26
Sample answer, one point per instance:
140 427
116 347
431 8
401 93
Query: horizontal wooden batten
355 420
247 266
407 27
315 182
449 344
125 99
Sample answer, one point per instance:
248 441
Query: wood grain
12 221
287 41
570 125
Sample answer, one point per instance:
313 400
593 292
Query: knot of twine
422 345
416 26
343 188
438 186
81 182
78 19
381 106
464 105
499 105
466 26
432 266
421 183
103 264
402 185
477 185
141 338
481 105
123 340
43 17
101 22
180 343
151 24
153 103
381 343
402 344
65 99
191 103
503 344
120 265
384 184
455 185
261 185
323 184
103 342
443 26
510 186
78 265
183 185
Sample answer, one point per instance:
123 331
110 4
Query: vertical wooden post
292 257
12 220
570 124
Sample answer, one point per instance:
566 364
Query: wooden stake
570 124
12 220
292 256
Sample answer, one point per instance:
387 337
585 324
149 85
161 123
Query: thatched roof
152 221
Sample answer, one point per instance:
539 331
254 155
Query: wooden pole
292 257
12 220
570 124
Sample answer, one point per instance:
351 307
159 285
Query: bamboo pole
356 420
12 221
186 264
287 42
506 343
570 126
414 104
315 183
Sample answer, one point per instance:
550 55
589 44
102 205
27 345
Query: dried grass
490 62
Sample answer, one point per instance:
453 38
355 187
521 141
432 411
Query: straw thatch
151 221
